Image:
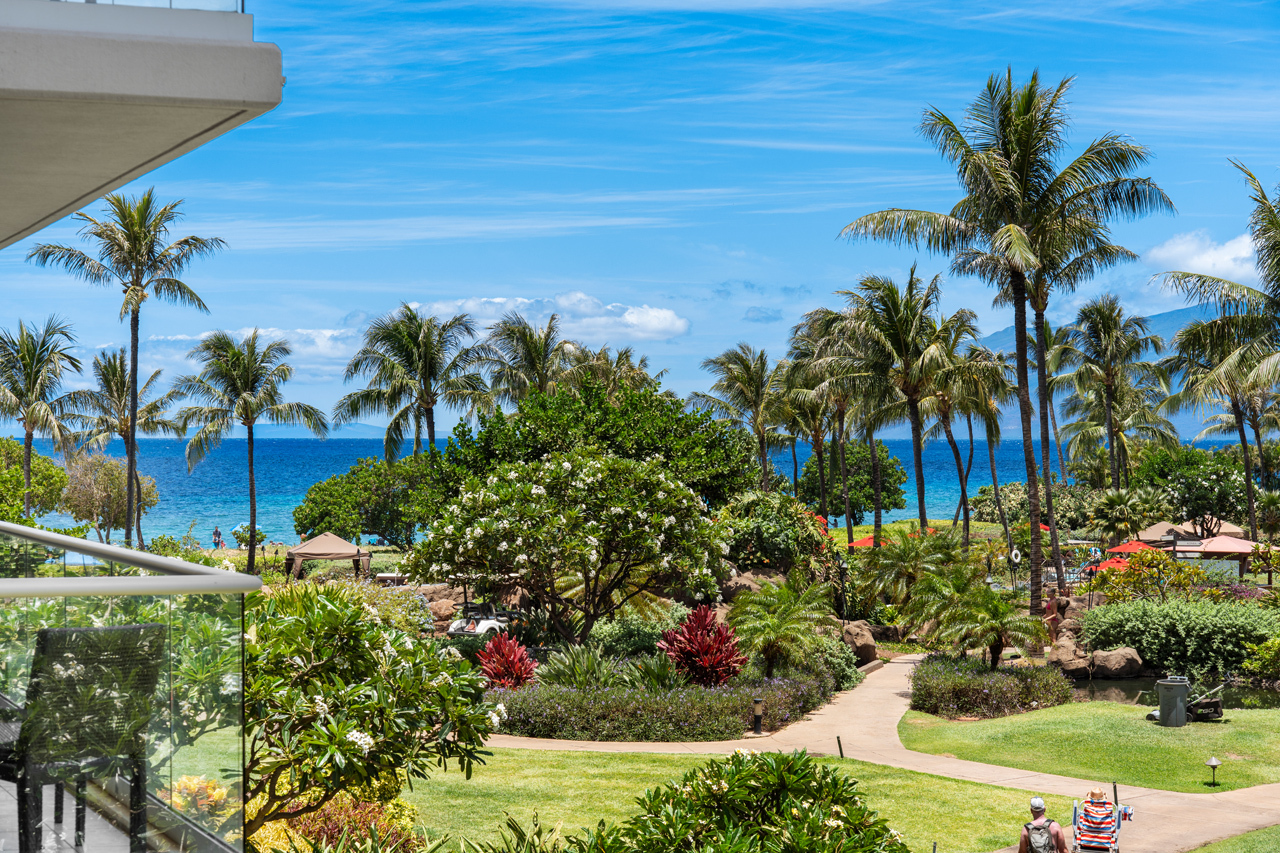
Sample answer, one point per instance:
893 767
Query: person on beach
217 538
1042 834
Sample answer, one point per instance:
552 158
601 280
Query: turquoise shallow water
217 491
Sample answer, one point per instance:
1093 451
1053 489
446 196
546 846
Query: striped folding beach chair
1096 826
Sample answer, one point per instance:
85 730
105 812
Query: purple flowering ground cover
954 687
632 714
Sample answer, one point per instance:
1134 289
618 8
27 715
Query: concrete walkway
866 721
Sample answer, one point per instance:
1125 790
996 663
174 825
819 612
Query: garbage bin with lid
1173 700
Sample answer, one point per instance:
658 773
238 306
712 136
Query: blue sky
666 175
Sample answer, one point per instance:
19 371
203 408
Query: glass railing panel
204 5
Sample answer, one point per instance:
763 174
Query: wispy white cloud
1197 252
581 316
760 314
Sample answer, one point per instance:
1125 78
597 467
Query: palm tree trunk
917 454
844 477
968 469
1108 399
995 486
1057 439
27 439
431 429
131 445
417 434
1248 470
1046 451
876 497
795 467
253 508
1018 286
964 494
137 509
1263 465
822 478
763 450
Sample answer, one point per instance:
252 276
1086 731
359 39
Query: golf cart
478 619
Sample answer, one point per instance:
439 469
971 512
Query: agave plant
654 673
580 667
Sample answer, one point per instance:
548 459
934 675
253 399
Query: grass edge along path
578 789
1106 740
1259 841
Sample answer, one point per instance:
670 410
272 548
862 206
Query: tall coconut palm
1056 343
747 395
1021 205
33 364
523 359
240 382
1205 353
613 371
103 413
1135 415
902 328
1106 347
415 363
810 420
132 253
992 393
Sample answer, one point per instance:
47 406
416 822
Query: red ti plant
505 662
703 648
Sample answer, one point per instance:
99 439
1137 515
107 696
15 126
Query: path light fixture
757 715
1213 764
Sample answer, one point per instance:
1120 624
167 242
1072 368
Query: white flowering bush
336 700
580 532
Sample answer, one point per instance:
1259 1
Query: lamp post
757 715
1213 764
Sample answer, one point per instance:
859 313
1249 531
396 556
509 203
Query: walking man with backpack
1042 834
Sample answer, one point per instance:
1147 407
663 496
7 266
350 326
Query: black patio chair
88 708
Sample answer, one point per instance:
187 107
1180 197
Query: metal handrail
180 577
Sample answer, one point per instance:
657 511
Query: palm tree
1120 514
990 396
240 383
1106 347
892 571
778 621
1135 415
104 414
908 347
414 363
810 419
1206 354
1020 211
613 371
985 620
132 254
747 395
32 366
523 359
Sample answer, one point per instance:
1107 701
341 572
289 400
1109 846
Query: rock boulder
858 636
1068 657
886 633
1118 663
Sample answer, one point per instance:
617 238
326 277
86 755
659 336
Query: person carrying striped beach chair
1095 823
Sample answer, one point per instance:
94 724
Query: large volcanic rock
1117 663
858 636
1068 657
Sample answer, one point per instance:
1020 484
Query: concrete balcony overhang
93 96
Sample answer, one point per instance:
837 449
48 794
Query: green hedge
953 687
1183 638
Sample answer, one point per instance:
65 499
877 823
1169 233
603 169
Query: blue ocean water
217 491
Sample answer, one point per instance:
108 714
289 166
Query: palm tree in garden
1207 355
1135 416
747 394
1021 207
240 383
1057 341
810 420
103 413
33 364
992 392
132 253
778 622
523 359
901 328
984 619
613 371
414 362
1106 349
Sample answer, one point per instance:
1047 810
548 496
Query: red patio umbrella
1117 563
869 541
1130 547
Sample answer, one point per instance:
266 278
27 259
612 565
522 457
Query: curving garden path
866 721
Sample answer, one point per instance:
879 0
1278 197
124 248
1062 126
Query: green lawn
976 528
1109 742
580 788
1262 841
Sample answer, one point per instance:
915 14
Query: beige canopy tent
1186 530
1222 546
326 546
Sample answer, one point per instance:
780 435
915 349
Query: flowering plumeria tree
581 533
335 700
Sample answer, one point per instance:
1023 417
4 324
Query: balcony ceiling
94 96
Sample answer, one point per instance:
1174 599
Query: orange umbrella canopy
1223 545
1117 563
1131 547
869 541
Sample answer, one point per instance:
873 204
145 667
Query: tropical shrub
779 622
394 823
624 713
704 648
48 480
831 658
1192 638
950 686
580 667
583 534
1073 504
1263 661
1151 576
632 632
241 534
398 607
335 700
861 494
774 534
890 573
506 663
654 672
746 803
95 491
